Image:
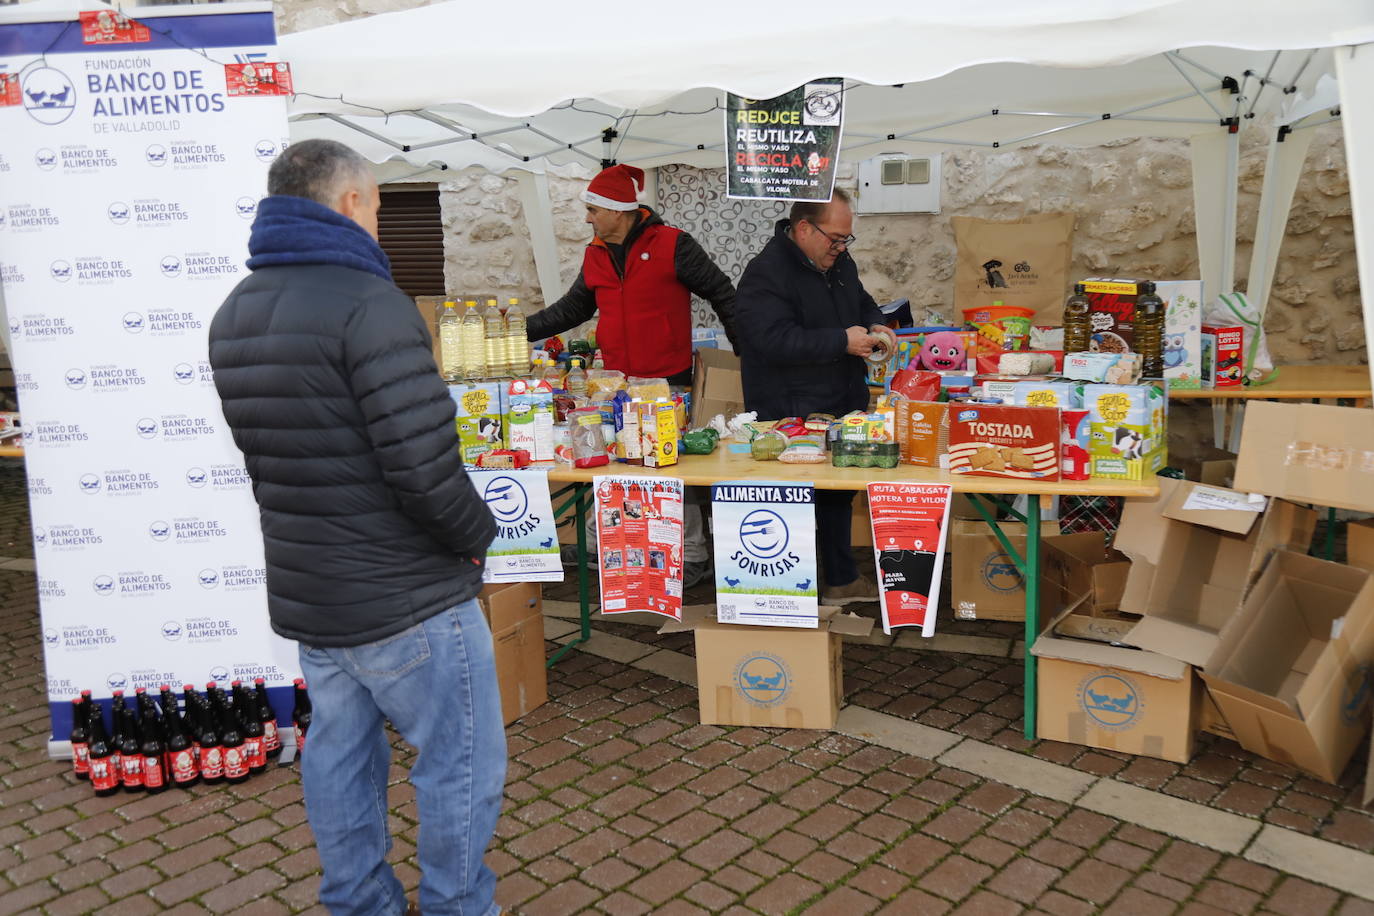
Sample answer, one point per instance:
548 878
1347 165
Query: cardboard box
1124 700
1182 334
861 526
1359 544
717 385
1292 671
1308 453
1076 567
985 584
1190 567
775 677
430 308
1211 720
515 613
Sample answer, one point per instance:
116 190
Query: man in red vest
638 276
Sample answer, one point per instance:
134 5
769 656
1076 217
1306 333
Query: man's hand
859 343
884 331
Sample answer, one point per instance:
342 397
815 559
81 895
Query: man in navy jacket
805 324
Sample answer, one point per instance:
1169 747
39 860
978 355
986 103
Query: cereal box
1227 368
480 418
1001 441
922 430
658 433
1113 313
1127 428
1047 393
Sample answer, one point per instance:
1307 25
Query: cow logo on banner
765 575
526 545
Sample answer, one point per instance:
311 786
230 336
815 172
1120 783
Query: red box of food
1000 441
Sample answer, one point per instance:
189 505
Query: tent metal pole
534 200
363 130
1196 88
1228 214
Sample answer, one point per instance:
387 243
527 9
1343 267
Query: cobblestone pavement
925 800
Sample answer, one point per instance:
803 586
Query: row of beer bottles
151 745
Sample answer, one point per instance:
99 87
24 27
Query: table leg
1032 578
580 499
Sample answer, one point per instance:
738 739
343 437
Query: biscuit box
1127 430
1000 441
1058 393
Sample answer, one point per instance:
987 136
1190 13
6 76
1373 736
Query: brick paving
620 801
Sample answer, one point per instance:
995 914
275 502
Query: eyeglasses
836 240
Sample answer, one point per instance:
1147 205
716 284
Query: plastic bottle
474 342
494 339
517 346
576 380
552 374
1149 331
1077 321
450 346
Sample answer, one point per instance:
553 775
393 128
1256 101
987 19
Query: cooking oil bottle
450 347
1077 321
1149 331
474 343
494 339
517 347
576 380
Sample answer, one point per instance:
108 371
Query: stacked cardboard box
515 613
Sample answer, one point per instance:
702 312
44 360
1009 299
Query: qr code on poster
726 614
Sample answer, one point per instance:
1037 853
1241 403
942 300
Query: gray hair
318 170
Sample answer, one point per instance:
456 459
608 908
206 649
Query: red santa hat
615 188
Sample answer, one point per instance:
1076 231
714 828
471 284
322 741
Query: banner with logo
129 177
910 521
784 148
526 545
639 544
765 541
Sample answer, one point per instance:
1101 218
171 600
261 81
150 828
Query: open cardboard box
1308 453
1120 699
1074 566
717 385
1191 564
984 582
1359 544
1292 670
778 677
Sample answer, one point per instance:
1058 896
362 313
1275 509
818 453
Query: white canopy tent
405 88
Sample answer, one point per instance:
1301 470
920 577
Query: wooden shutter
413 237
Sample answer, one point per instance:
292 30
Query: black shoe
694 573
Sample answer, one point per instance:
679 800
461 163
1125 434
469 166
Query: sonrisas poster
765 541
784 148
909 522
526 545
639 540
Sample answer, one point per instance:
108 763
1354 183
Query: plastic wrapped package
588 444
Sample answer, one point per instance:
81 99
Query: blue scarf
294 230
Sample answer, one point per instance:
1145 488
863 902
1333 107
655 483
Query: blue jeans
436 682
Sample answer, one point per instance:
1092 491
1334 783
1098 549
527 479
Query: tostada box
1000 441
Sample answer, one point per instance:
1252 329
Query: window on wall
412 236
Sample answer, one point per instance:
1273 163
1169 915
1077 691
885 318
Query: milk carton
1126 424
480 418
530 424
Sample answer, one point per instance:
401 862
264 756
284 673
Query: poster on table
135 153
526 545
765 543
639 544
910 521
784 148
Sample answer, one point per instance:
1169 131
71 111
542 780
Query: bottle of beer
131 755
117 733
254 750
182 771
154 751
301 714
231 738
140 704
81 741
191 719
104 772
267 716
211 752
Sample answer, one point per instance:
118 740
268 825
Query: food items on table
602 384
505 458
531 418
1025 363
1226 369
864 441
916 384
1002 441
1108 368
700 441
1047 393
767 445
648 389
1075 461
588 444
1077 321
1149 331
807 449
922 433
658 432
1127 425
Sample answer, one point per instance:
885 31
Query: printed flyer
526 545
639 542
909 522
765 553
784 148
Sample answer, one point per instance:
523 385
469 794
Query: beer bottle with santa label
81 740
131 755
182 771
254 750
211 752
231 738
271 740
301 714
154 751
104 772
117 733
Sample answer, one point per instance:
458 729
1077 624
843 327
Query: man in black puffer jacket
805 324
374 536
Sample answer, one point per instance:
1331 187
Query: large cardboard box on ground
1126 700
985 584
1359 544
777 677
1190 566
1308 453
717 386
515 613
861 525
1080 566
1292 671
